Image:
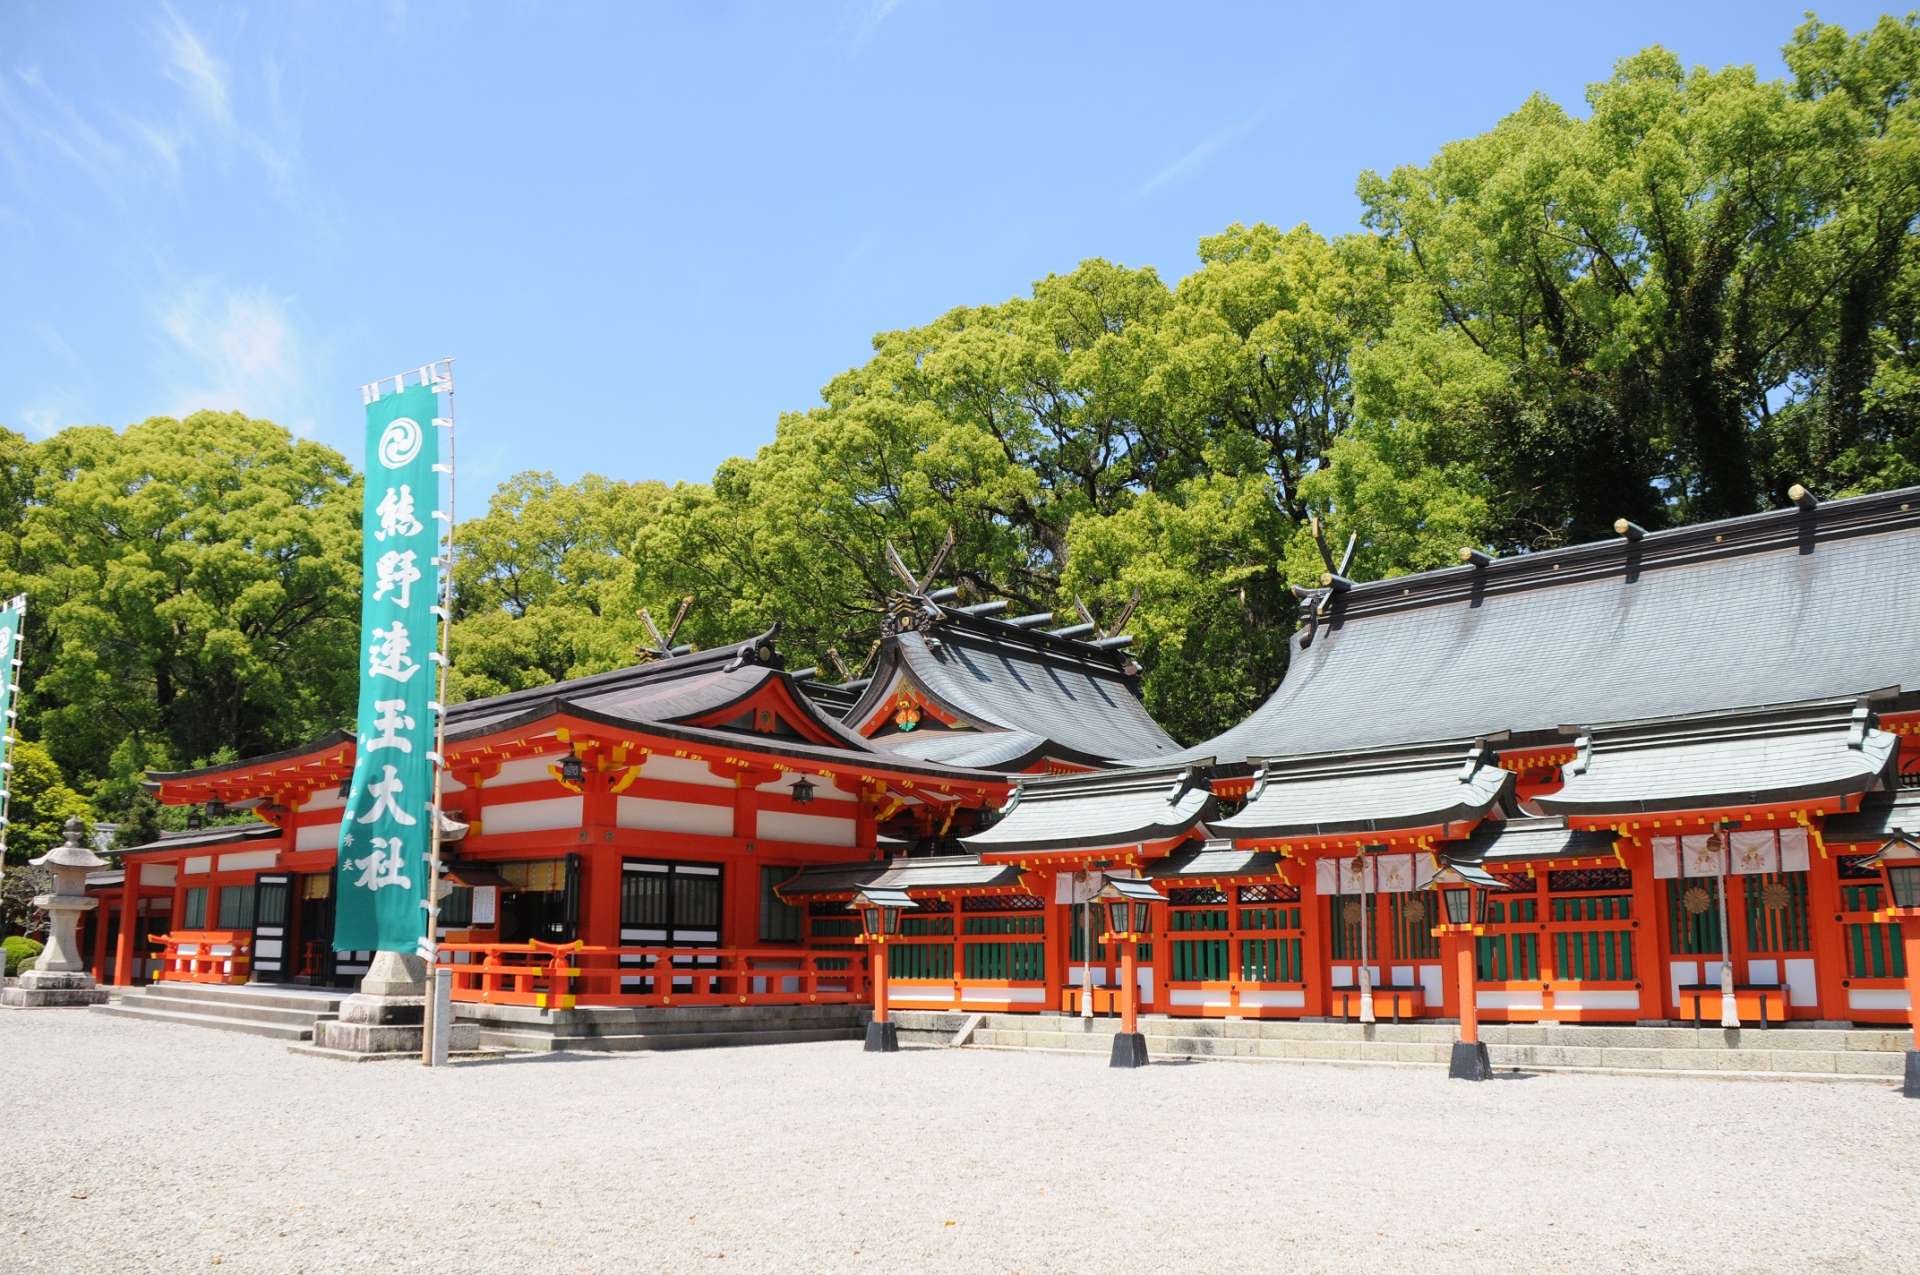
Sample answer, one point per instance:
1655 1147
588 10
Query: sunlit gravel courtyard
145 1147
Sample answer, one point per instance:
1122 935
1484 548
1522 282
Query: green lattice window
1776 912
1873 949
1693 932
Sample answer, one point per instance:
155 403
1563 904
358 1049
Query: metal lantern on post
1464 890
880 908
1899 863
1129 905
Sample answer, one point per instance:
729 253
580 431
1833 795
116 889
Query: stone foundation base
1469 1061
1911 1087
1129 1050
386 1025
38 989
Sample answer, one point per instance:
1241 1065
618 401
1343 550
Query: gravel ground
183 1150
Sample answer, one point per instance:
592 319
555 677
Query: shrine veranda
1629 736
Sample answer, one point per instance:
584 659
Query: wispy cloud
860 22
235 350
194 69
1203 152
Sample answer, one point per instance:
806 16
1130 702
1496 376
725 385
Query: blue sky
645 231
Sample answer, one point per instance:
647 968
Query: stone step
317 1002
228 1009
274 1031
544 1042
1784 1062
1441 1032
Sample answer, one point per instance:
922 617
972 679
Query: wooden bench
1389 1000
1766 1002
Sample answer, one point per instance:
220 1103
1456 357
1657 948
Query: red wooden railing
203 956
565 975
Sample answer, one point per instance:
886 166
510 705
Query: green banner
13 617
385 831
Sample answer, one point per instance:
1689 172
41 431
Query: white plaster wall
316 836
684 770
533 816
821 830
198 866
156 874
672 816
249 859
1596 998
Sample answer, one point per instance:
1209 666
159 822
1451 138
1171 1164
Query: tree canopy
1670 305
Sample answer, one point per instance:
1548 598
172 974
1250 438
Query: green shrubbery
19 952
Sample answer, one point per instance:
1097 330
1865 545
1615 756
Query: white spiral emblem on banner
399 442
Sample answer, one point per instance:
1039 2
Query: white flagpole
12 656
441 374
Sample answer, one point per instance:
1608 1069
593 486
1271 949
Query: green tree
195 586
39 803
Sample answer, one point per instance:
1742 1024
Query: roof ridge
758 649
1770 530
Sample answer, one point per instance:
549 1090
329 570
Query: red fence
203 956
564 975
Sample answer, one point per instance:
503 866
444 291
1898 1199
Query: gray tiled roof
1772 608
1215 860
197 838
1377 790
983 750
1879 815
1822 749
1099 809
1083 702
950 872
1531 837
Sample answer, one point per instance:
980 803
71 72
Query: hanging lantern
1899 864
1465 892
1129 902
802 791
572 769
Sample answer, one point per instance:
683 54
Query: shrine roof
1214 859
1528 837
1082 698
1008 750
946 872
1775 607
1418 786
197 838
1827 748
1099 809
1881 814
662 698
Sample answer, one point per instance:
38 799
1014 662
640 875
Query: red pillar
129 914
1649 928
1910 942
1313 941
1828 935
102 917
1129 987
1460 956
879 951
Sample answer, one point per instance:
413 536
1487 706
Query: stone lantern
59 976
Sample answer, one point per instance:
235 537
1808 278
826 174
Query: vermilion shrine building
1617 731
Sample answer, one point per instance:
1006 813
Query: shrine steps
279 1013
1786 1053
630 1030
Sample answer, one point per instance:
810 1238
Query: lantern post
880 910
1899 864
1464 890
1129 903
